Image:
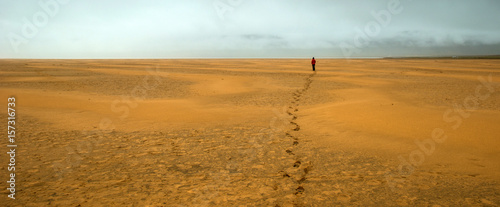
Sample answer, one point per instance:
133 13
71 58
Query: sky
248 28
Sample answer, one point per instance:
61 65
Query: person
313 63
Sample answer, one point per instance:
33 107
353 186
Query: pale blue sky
247 28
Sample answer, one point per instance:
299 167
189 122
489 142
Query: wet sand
256 132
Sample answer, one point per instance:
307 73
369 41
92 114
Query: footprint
284 174
290 136
297 128
299 190
307 169
302 179
297 164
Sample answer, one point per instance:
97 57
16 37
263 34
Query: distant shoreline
449 57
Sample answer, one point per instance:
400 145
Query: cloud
90 29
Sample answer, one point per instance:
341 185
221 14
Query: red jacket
313 61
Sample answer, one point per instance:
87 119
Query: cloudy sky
247 28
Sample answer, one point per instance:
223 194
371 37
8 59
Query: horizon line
174 58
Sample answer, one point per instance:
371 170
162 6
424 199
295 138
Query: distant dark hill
449 57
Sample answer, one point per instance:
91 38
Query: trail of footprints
298 172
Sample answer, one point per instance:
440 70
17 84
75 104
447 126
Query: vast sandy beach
253 132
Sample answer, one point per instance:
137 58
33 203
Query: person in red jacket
313 62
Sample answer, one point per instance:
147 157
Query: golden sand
257 132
